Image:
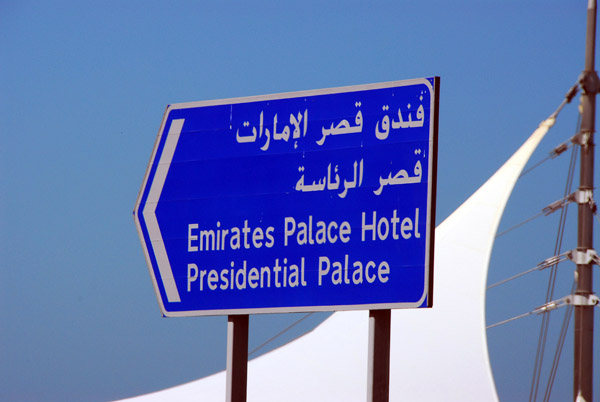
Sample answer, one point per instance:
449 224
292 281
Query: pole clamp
581 138
581 300
584 257
583 196
589 81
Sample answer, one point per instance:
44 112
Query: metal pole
237 358
378 381
584 314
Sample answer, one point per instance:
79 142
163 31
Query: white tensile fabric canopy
436 354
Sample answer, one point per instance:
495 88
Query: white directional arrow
149 212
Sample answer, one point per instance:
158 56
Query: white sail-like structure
436 354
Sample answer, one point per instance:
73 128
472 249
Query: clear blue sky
82 91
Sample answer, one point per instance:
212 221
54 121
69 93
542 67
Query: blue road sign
308 201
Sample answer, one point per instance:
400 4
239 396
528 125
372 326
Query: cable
553 154
548 262
544 308
539 359
277 335
551 284
549 209
524 172
565 324
509 320
564 146
559 347
514 277
520 224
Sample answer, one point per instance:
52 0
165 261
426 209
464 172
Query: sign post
320 200
237 358
378 378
